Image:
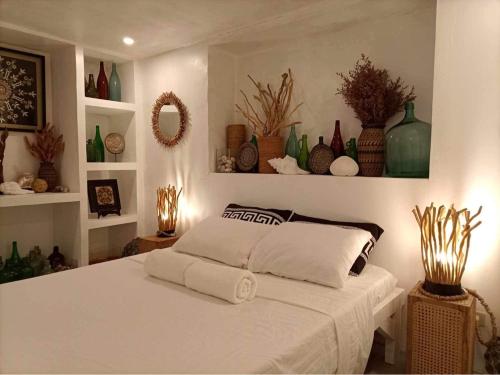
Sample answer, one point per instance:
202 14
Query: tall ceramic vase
269 148
371 150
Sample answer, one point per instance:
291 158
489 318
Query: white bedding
112 317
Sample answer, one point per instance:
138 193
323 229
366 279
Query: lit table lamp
167 205
441 314
444 242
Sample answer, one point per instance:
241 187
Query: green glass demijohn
292 145
303 154
408 146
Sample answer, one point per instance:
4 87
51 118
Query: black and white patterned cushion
269 216
362 259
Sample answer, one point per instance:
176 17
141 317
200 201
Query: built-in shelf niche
127 187
47 224
125 70
113 121
108 242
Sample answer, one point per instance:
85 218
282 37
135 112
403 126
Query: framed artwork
22 90
104 197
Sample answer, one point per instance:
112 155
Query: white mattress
112 317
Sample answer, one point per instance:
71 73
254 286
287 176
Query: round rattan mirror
169 119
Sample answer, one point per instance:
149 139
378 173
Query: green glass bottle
90 151
303 154
115 88
254 142
98 146
408 146
292 145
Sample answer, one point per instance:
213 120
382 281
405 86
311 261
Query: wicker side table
441 334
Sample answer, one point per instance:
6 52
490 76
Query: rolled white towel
229 283
168 265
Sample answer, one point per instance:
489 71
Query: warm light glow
167 200
128 41
445 240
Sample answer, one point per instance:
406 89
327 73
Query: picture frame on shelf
104 197
22 90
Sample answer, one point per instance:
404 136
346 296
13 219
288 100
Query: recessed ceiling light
128 41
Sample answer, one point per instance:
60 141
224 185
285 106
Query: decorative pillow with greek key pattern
269 216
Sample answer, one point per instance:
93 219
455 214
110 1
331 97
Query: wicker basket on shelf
320 158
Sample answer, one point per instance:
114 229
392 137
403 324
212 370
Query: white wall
465 155
404 45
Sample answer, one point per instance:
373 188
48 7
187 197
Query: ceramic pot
269 148
371 150
48 173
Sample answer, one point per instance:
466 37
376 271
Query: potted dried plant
375 98
46 147
275 114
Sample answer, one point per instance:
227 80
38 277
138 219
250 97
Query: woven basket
236 135
441 334
320 158
371 151
269 148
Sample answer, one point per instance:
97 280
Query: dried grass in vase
47 144
275 106
167 203
372 94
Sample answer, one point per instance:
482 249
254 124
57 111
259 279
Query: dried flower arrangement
372 94
275 106
47 145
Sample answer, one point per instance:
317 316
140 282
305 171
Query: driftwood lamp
167 205
445 235
441 314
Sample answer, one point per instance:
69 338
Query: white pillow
318 253
226 240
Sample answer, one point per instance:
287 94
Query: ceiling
161 25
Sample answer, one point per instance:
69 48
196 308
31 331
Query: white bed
112 317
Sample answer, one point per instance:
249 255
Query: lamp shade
445 235
167 200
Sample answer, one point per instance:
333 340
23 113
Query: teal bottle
115 87
98 146
408 146
303 154
254 142
292 145
90 151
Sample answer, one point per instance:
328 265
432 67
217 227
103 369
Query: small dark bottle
102 83
56 258
337 144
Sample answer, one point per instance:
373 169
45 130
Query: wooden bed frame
387 315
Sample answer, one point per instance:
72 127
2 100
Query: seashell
40 186
286 165
13 188
61 189
26 180
344 166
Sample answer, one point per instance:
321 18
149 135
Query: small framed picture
104 197
22 90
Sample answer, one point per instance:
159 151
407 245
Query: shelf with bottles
109 79
49 225
113 138
19 267
107 243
